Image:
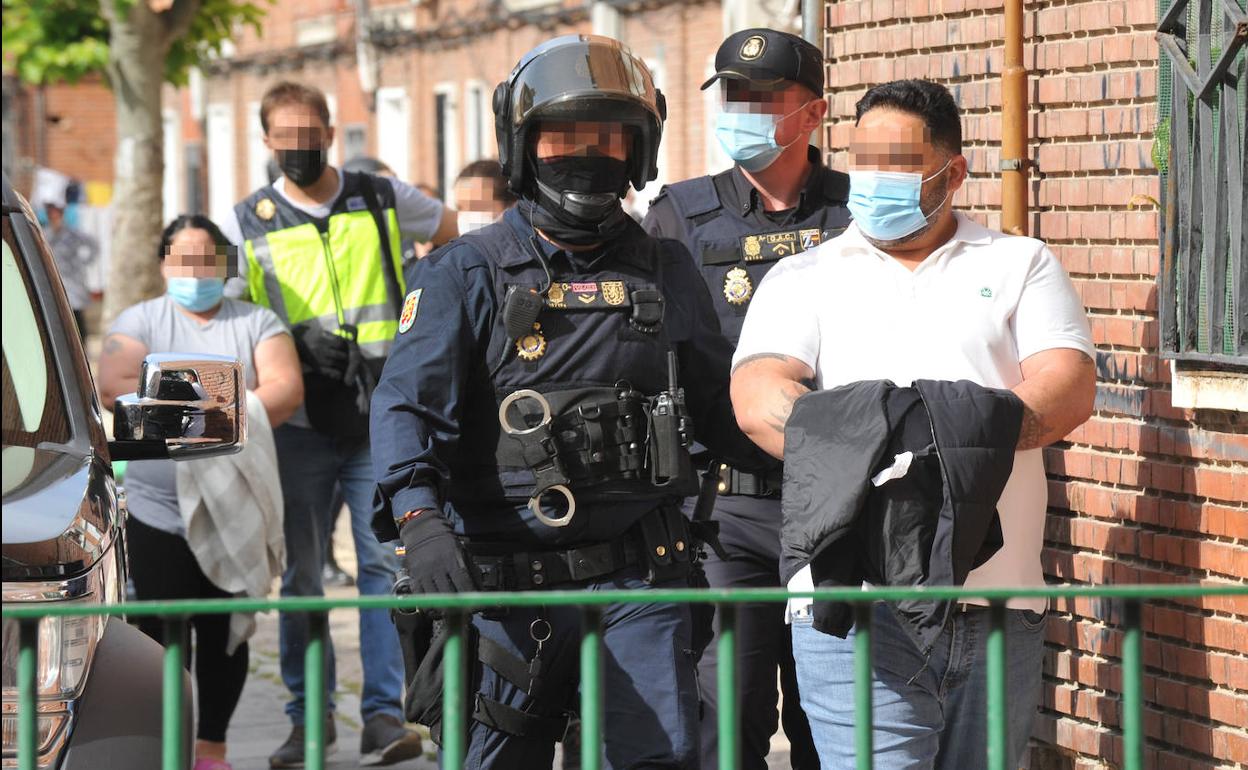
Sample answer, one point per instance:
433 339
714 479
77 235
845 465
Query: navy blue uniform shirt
434 423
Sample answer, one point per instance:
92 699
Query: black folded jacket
930 527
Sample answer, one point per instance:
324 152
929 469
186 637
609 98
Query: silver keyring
520 395
535 505
533 633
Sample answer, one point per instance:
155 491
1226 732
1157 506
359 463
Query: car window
34 408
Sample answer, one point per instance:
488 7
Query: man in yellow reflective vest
321 247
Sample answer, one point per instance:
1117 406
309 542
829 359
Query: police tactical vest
326 272
603 331
735 254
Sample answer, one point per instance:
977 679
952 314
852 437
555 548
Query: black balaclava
303 166
576 200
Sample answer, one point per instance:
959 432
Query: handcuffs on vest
653 435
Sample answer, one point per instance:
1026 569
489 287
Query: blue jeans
651 708
926 716
311 463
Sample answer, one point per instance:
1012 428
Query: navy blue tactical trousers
651 717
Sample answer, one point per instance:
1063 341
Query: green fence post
171 693
454 668
591 689
864 718
27 715
726 686
1132 698
996 687
314 670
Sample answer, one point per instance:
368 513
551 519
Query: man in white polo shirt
913 291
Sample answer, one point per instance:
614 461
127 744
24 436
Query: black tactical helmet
579 77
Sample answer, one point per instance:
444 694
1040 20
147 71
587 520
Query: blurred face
581 139
55 215
477 194
890 140
297 127
193 254
800 111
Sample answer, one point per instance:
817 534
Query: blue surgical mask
196 294
749 138
885 204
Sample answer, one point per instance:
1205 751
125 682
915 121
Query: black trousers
163 567
763 644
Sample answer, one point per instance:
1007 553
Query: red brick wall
79 130
1144 492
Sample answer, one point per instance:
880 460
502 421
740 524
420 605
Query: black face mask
578 199
303 167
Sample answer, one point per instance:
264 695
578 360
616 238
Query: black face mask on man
302 166
578 198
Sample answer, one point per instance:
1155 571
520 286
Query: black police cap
768 57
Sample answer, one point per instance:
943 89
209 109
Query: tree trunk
139 39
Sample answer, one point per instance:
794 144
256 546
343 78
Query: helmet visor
566 80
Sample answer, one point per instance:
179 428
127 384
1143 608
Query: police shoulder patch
410 306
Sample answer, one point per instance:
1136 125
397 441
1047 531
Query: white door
394 128
222 194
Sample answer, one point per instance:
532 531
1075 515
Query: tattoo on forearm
111 345
760 357
779 411
1033 430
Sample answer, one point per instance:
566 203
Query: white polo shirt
973 310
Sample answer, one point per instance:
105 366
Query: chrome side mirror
187 406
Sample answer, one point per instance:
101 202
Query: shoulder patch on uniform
410 307
266 208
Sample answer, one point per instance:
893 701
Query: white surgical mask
473 220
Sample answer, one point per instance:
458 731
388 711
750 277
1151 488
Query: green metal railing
458 607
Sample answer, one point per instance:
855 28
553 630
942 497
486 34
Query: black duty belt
737 482
521 570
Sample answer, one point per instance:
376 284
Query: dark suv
98 680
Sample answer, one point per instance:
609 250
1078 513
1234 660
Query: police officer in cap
530 430
777 200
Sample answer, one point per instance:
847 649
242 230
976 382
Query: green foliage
54 40
62 40
216 22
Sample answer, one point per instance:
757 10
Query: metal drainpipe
812 31
1014 161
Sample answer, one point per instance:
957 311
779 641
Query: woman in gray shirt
194 317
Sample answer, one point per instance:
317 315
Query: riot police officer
777 200
530 428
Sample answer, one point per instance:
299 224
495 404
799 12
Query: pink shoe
205 763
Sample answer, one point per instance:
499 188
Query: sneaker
333 575
385 741
290 753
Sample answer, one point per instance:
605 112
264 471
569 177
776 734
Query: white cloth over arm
232 508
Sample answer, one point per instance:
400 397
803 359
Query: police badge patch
532 346
752 48
410 305
614 292
737 286
266 208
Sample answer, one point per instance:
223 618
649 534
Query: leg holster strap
529 677
504 718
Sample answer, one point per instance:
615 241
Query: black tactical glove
433 557
320 352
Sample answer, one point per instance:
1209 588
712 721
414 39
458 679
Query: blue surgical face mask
749 138
196 294
885 204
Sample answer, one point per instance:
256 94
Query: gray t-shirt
236 330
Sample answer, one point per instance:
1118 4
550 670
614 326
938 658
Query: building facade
1154 488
